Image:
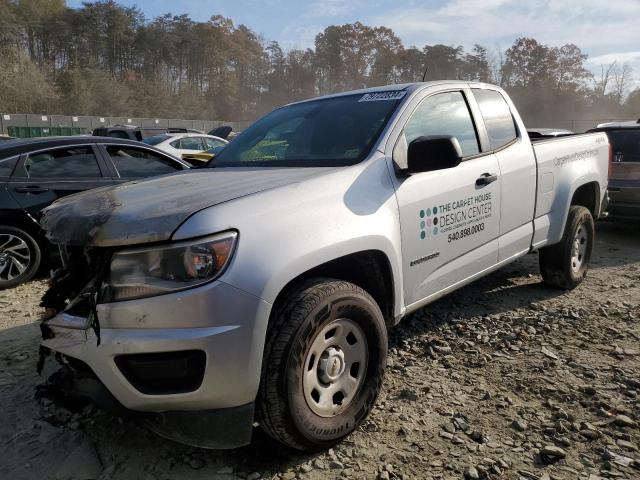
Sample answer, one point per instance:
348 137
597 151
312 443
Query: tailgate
624 182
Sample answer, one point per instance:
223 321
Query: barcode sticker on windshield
380 96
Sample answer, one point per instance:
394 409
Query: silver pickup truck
259 289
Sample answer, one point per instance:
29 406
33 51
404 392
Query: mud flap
223 428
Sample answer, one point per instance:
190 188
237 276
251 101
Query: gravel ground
502 379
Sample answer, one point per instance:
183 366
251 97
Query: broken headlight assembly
149 271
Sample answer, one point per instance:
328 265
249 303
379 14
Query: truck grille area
163 373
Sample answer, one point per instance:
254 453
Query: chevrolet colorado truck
258 290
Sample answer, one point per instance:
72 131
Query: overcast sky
606 30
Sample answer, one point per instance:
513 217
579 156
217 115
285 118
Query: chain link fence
29 125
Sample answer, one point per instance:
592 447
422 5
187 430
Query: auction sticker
381 96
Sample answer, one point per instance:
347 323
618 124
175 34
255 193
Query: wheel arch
371 270
588 195
23 221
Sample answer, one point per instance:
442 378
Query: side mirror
427 154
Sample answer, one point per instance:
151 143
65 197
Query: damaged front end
75 289
132 357
71 302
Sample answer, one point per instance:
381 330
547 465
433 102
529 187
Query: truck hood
150 210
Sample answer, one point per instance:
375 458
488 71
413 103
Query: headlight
144 272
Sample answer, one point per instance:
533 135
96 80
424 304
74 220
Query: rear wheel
324 361
565 264
19 256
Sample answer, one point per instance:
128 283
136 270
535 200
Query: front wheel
19 256
324 361
565 264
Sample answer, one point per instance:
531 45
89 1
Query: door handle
31 189
486 179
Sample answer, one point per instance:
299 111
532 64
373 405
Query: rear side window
213 142
191 143
497 117
626 145
444 114
131 162
7 165
71 162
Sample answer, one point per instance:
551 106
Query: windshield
329 132
156 139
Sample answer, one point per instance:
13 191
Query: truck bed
563 163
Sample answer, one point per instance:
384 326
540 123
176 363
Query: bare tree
601 83
622 78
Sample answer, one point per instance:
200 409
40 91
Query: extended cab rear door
518 171
450 218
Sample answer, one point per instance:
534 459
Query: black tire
557 263
34 257
283 410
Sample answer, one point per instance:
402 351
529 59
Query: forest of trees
107 59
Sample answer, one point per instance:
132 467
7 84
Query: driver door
450 218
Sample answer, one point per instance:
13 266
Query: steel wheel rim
15 256
579 248
335 367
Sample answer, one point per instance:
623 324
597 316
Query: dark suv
624 173
35 172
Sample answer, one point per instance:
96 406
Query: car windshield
335 131
156 139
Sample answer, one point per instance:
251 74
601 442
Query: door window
71 162
444 114
497 117
191 143
131 162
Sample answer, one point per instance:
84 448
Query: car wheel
324 362
19 256
565 264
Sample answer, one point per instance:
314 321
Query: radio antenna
424 75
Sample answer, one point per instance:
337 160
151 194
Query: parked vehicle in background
535 133
223 131
131 132
5 137
179 144
624 173
35 172
200 158
260 288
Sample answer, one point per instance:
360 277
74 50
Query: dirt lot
502 379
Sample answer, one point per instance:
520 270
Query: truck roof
409 87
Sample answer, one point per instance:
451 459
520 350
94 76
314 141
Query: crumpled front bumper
227 324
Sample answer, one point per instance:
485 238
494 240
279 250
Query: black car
35 172
624 171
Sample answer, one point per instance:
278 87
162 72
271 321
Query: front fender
287 231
